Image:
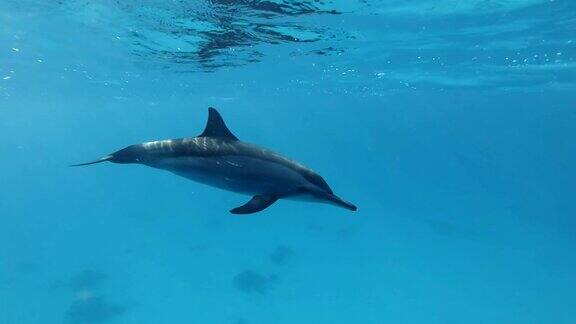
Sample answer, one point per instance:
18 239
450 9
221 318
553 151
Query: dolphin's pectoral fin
256 204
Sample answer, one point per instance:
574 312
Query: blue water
450 123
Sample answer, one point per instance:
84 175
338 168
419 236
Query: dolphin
219 159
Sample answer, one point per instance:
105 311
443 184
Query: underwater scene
275 161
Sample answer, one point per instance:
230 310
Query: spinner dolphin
219 159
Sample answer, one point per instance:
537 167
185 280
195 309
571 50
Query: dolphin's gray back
222 147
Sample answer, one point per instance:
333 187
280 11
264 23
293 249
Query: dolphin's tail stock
104 159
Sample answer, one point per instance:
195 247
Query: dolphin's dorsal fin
215 127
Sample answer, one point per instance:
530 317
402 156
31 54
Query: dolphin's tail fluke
104 159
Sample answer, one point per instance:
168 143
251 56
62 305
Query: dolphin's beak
104 159
335 200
